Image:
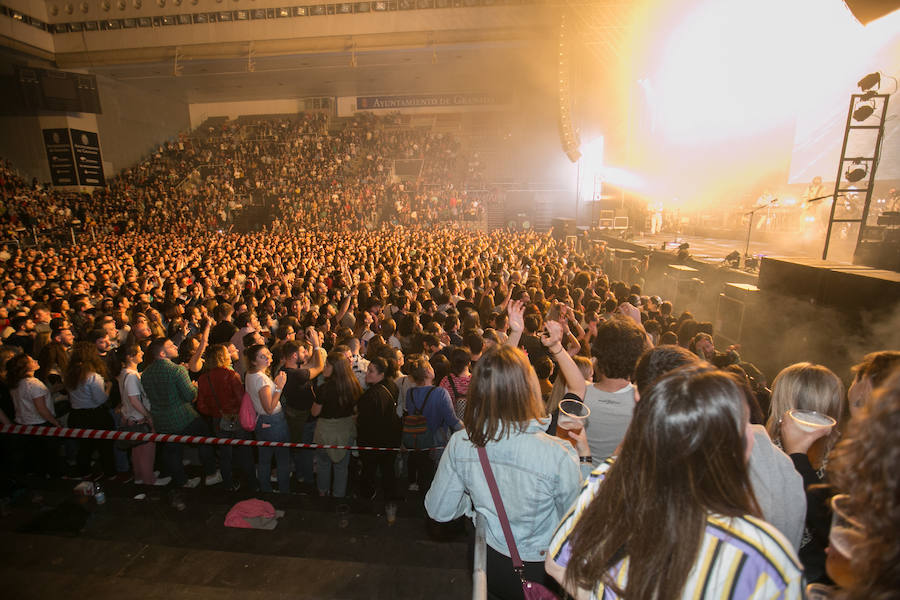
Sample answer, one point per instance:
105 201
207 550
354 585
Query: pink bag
248 414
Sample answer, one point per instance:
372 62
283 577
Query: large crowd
310 173
632 457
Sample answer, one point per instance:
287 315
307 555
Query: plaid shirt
171 393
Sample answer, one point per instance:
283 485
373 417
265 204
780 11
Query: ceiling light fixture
857 170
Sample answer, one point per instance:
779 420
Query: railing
479 563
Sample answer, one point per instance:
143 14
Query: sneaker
235 486
192 482
138 482
413 487
213 479
161 481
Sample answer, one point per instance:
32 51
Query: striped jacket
740 558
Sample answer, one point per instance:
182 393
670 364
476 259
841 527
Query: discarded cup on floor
390 510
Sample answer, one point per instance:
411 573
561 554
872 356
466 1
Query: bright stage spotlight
870 82
856 171
864 109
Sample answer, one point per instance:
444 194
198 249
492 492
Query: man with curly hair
619 343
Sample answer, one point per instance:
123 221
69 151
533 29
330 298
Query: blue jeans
231 455
273 428
120 456
323 473
303 457
173 453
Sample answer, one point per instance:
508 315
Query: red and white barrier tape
106 434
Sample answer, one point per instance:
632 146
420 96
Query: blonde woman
807 386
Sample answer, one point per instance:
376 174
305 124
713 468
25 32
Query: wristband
277 390
586 459
561 349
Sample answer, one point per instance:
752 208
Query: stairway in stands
147 549
255 216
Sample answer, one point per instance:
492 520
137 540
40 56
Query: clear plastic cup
846 534
573 416
810 420
390 511
817 591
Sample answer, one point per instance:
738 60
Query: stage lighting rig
857 171
865 108
870 82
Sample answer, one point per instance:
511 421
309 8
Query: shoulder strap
425 401
518 565
416 409
453 385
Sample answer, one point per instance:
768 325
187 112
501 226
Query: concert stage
828 312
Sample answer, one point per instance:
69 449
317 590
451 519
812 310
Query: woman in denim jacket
539 476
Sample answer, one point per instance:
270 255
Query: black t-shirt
298 393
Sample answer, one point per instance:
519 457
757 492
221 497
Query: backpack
416 435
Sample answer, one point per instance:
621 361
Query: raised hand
516 312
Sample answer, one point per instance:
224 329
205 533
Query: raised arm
552 339
516 312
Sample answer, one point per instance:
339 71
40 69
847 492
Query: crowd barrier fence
133 436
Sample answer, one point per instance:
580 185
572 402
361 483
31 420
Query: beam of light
590 167
721 84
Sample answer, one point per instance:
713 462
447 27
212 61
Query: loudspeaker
879 254
857 289
797 277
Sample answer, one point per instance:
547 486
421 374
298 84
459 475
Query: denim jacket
538 476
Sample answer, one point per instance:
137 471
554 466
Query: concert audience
362 294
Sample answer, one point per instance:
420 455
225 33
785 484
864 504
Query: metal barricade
479 563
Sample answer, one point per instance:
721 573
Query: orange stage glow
720 85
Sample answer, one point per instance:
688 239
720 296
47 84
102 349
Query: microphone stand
750 214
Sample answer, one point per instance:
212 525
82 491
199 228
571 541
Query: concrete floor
147 549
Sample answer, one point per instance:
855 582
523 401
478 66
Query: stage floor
713 249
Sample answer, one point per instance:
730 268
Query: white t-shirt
254 383
130 385
23 399
610 416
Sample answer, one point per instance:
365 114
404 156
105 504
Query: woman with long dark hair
85 378
335 406
674 516
379 426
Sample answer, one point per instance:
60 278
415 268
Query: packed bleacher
618 436
310 172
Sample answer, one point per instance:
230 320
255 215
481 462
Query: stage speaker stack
684 286
734 308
